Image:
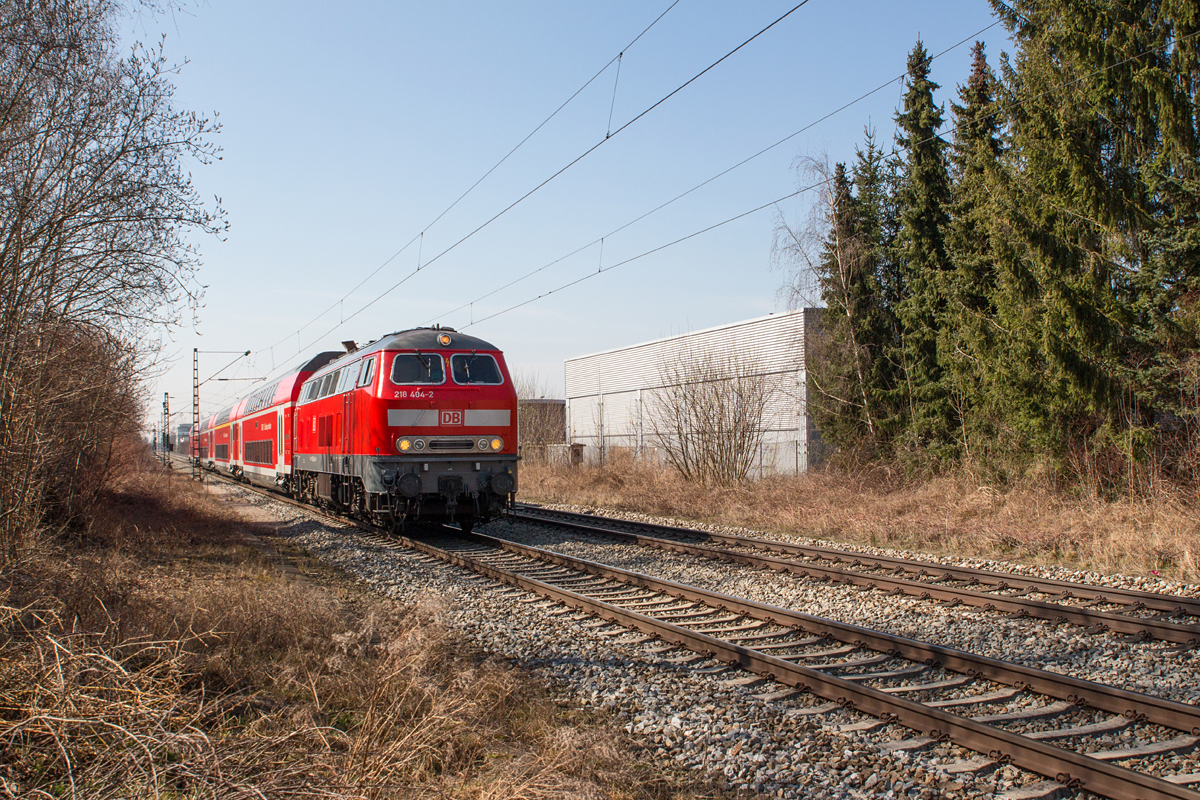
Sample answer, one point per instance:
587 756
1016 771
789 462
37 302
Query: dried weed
159 657
954 514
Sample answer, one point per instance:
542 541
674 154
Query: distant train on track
418 426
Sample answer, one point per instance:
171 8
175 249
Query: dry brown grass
954 514
157 656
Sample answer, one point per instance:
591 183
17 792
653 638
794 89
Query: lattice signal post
193 440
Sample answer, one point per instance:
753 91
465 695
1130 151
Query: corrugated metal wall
610 394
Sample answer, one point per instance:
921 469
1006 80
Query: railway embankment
186 645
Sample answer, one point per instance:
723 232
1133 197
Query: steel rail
1172 714
1169 713
1145 627
1168 603
1066 766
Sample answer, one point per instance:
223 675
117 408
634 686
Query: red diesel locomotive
418 426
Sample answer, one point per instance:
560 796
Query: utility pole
197 470
166 439
193 440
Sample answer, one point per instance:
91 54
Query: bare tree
707 417
95 210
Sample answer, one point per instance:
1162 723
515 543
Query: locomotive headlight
403 445
483 444
419 444
497 443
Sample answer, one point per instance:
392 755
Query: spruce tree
1032 292
967 339
1099 207
851 375
923 265
843 401
876 222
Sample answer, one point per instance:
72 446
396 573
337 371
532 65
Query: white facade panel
610 394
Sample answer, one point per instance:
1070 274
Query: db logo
451 418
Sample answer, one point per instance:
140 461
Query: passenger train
419 426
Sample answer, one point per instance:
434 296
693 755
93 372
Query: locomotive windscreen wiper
428 362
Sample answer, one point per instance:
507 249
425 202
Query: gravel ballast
1149 667
726 724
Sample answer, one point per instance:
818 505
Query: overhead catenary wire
692 235
572 163
420 237
1000 109
719 175
300 348
744 161
613 105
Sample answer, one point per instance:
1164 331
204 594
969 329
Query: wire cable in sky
681 239
471 188
721 174
895 151
890 81
582 156
301 350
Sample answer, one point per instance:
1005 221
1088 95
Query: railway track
1143 615
1007 712
1050 724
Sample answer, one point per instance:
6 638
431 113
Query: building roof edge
798 311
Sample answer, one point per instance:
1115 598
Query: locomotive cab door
348 426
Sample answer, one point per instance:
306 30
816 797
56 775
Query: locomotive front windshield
418 368
471 368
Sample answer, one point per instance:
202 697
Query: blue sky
348 128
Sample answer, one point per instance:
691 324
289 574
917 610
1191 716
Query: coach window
412 368
367 373
470 368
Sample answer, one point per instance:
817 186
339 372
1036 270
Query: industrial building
612 396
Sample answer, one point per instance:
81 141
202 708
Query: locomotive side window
367 373
418 368
347 380
310 390
327 384
469 368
